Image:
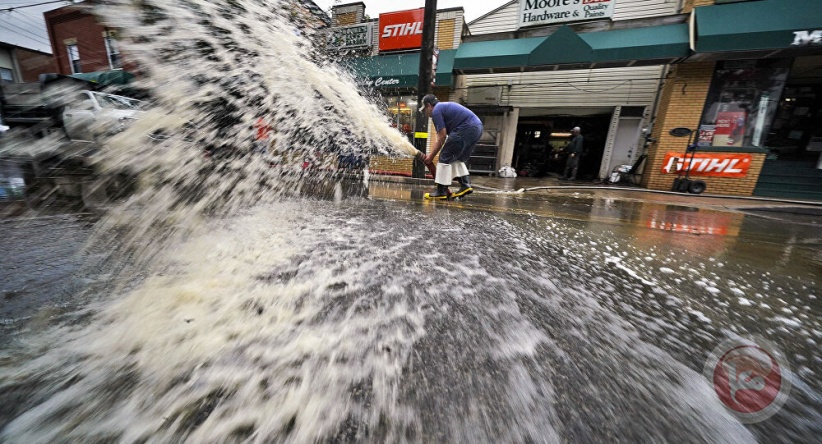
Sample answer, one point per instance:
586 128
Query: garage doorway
540 142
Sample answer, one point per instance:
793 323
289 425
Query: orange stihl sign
401 30
708 164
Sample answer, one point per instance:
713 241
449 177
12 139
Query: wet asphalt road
589 317
43 266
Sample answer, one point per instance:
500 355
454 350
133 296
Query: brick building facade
23 65
681 104
33 63
80 43
781 98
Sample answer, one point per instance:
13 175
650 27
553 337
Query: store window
6 75
402 111
742 102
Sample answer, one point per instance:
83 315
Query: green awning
445 67
113 77
562 47
652 43
394 70
760 25
495 54
566 47
401 70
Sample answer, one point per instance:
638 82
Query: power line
27 19
36 37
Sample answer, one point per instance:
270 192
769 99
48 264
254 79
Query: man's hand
426 159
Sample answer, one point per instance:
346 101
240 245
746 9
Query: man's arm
441 134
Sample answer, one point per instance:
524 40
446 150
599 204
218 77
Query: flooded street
244 292
391 320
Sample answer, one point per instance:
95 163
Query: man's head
429 100
575 130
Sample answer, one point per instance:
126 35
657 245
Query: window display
742 102
402 111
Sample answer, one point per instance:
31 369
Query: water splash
159 358
216 70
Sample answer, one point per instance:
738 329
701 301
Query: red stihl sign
708 164
401 30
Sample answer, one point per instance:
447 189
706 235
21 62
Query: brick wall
71 23
33 63
393 165
681 103
445 33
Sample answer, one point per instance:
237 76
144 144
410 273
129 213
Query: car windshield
116 102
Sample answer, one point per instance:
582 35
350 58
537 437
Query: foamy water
253 313
304 321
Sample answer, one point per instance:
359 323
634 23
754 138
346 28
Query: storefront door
625 143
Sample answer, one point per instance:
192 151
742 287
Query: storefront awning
393 70
401 70
563 47
113 77
497 55
445 67
662 43
760 25
658 44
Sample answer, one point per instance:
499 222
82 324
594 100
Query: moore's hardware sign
545 12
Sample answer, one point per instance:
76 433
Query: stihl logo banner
401 30
708 164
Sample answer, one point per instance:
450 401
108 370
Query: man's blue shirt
453 116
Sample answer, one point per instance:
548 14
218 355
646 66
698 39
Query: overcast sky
24 26
473 8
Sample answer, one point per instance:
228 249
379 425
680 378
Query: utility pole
426 76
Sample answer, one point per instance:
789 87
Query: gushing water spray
161 361
215 70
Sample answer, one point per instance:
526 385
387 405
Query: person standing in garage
574 150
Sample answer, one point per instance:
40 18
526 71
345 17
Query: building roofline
348 4
491 12
12 45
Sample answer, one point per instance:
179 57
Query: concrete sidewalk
554 186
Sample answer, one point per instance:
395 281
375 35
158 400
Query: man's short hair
429 99
576 128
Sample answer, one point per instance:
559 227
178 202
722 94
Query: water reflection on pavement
705 273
